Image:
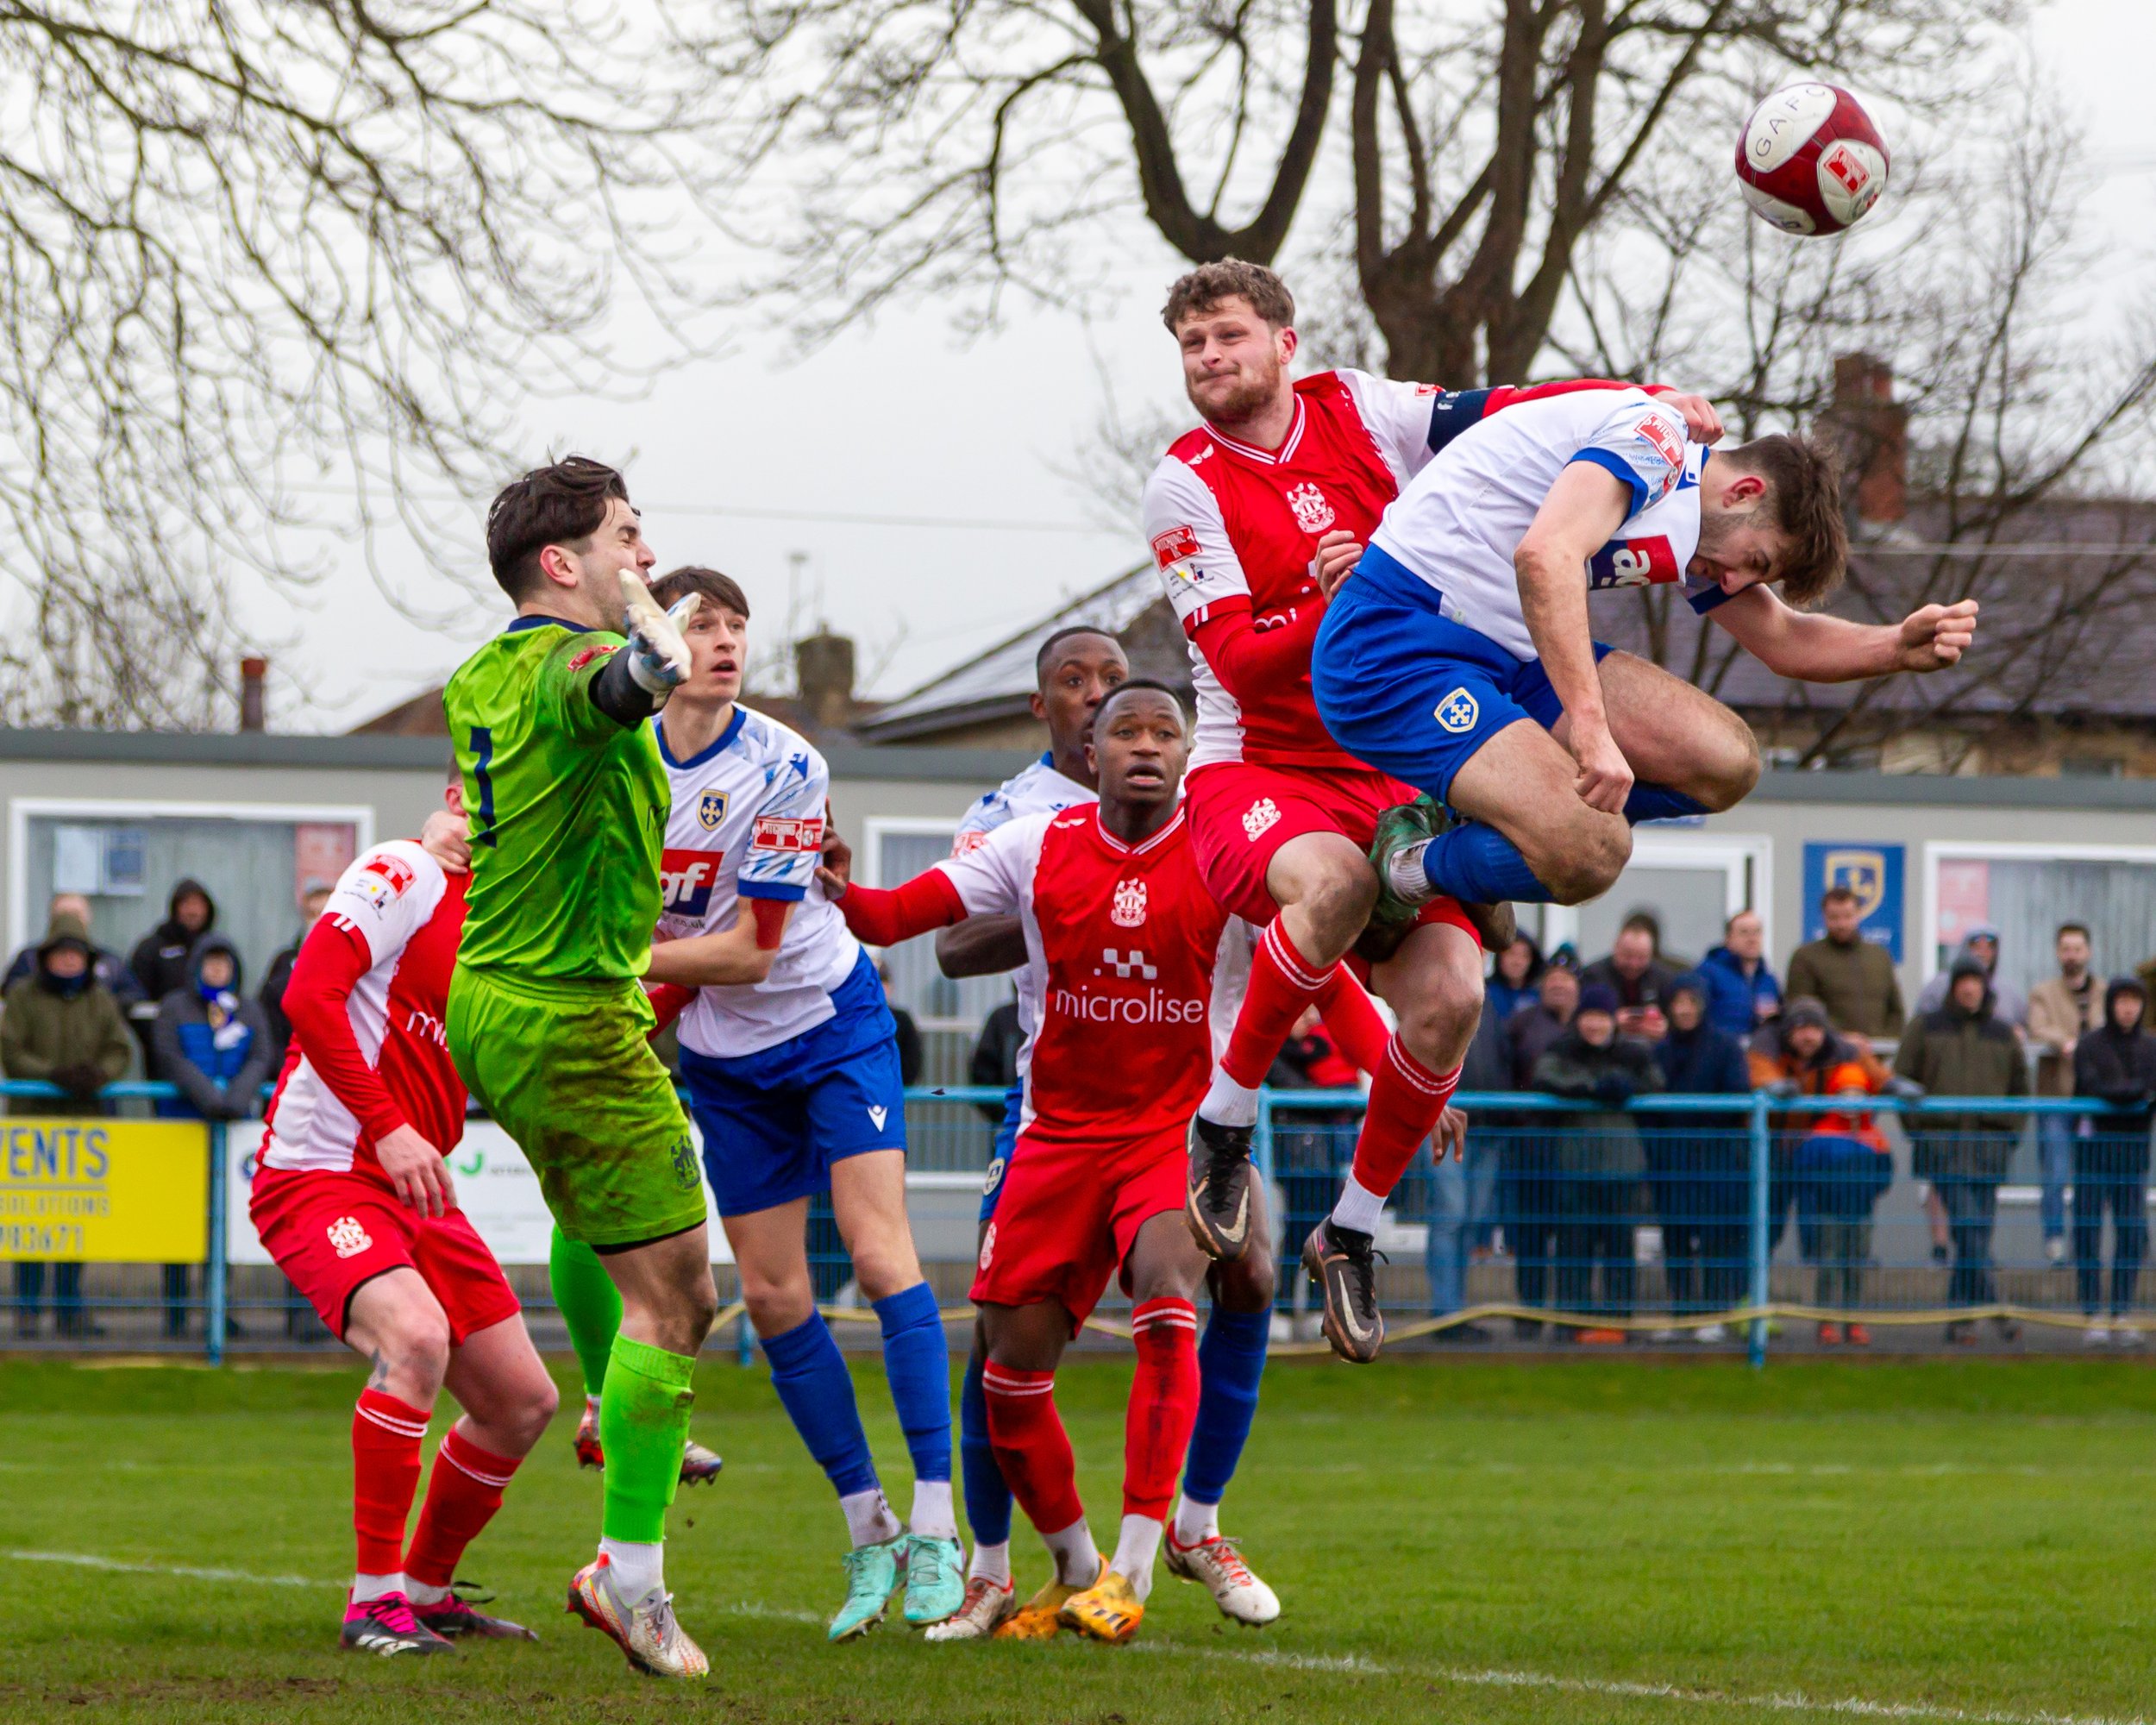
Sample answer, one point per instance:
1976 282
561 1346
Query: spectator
1962 1048
1741 992
1600 1163
108 967
1981 943
213 1044
1853 978
1513 979
994 1065
1462 1192
60 1024
1529 1151
1637 972
161 960
2115 1063
2061 1010
1797 1055
1698 1164
1842 1167
909 1034
313 897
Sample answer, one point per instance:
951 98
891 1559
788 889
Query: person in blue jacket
1742 992
1698 1164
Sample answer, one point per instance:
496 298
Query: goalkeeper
567 801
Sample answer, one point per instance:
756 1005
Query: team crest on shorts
346 1237
1312 513
987 1245
1129 910
1457 712
685 1175
1260 819
711 810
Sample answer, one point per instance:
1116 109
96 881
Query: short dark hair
1837 895
1207 285
1132 686
1040 658
1804 493
556 504
723 590
2067 928
1645 922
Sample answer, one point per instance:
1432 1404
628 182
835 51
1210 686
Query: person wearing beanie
1962 1048
1529 1155
1842 1166
1697 1163
1796 1055
2115 1063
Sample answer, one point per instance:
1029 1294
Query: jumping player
1075 668
1458 657
790 1055
548 1020
1250 517
1122 940
353 1197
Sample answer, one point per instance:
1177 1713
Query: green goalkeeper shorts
566 1069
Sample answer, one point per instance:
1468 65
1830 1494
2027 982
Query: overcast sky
746 463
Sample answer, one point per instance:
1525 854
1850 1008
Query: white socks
420 1594
638 1568
1196 1523
991 1562
366 1587
1077 1559
869 1518
1228 1103
1359 1208
933 1516
1135 1549
1406 874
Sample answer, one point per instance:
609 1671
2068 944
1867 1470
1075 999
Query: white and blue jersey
1425 653
789 1075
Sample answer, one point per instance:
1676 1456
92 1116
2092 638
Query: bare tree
252 245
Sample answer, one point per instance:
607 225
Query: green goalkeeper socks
643 1421
589 1303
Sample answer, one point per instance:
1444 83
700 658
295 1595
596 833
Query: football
1810 161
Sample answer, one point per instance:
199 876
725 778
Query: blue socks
917 1365
1230 1361
817 1391
988 1498
1478 865
1653 802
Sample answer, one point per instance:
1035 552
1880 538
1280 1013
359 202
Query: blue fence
1737 1221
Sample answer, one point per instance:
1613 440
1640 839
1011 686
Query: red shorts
330 1231
1067 1216
1241 813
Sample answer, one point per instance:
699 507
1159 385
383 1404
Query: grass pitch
1580 1540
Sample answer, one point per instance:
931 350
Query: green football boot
872 1575
934 1579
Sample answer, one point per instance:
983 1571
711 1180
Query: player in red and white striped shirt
353 1197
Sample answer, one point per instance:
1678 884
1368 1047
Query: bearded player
353 1197
549 1019
1250 517
1122 944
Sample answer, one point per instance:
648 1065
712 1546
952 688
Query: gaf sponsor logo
795 834
1633 564
686 880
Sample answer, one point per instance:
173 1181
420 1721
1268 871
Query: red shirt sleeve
883 918
1255 665
331 960
668 1001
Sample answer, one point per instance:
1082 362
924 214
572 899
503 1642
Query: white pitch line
1352 1664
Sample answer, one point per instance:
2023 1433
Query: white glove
658 655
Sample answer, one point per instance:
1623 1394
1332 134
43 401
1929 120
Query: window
2025 891
1692 882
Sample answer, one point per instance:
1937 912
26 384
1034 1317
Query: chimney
253 672
823 672
1872 430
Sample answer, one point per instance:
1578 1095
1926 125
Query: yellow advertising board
105 1191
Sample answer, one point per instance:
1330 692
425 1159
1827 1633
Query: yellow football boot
1109 1610
1037 1620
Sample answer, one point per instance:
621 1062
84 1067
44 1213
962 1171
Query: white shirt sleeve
1198 566
1641 443
786 835
1397 416
995 878
386 896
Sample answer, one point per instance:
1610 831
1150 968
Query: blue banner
1873 873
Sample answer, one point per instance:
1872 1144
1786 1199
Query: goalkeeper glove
658 655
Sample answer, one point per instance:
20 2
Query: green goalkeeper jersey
568 810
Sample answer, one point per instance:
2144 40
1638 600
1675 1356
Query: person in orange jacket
1841 1168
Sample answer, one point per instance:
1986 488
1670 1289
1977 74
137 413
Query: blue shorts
1411 691
774 1121
1006 1142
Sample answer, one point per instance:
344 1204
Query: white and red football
1810 161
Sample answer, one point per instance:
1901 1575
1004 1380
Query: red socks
1033 1448
1163 1405
1283 983
1358 1028
386 1437
1405 1099
463 1493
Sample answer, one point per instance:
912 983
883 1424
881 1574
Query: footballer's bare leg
1520 783
1675 736
668 1300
